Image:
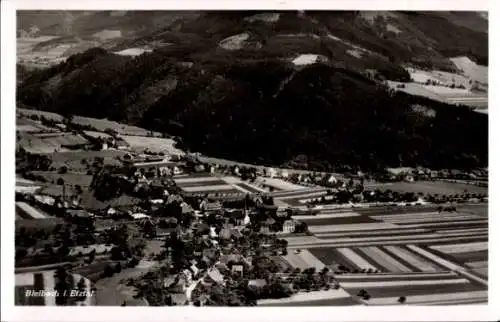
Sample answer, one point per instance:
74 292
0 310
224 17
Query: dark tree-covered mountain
250 103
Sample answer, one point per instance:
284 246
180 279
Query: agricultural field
244 186
77 161
337 297
429 257
298 197
102 125
49 142
435 84
471 70
26 211
70 179
48 115
278 184
443 94
31 126
204 184
26 186
154 144
432 187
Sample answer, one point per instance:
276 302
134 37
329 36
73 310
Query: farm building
289 226
404 174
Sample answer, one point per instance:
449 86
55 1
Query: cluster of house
420 173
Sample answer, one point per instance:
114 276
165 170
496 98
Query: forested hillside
265 111
253 104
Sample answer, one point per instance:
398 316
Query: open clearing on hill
472 70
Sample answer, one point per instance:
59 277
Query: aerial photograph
251 158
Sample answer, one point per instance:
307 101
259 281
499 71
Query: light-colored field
412 259
49 142
96 134
479 264
396 276
347 227
434 258
235 42
133 52
461 248
370 233
243 186
327 216
444 298
304 260
430 219
437 224
29 211
103 124
387 240
306 197
450 96
356 259
471 69
300 240
152 143
279 184
48 115
380 284
441 77
306 297
305 59
384 259
182 180
208 188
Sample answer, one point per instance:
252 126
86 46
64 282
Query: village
124 217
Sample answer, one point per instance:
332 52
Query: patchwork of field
100 125
49 142
419 289
31 126
373 229
205 184
430 258
298 197
443 94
